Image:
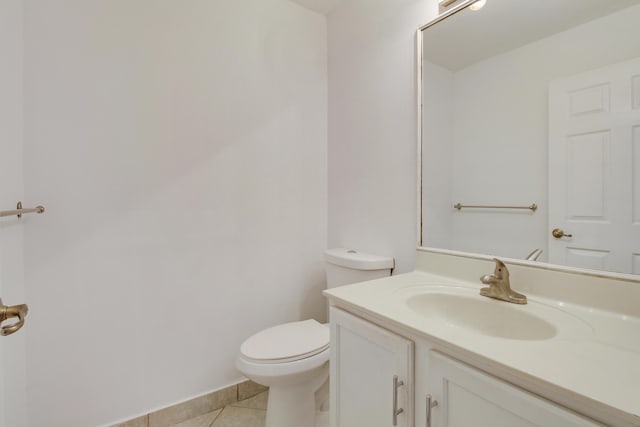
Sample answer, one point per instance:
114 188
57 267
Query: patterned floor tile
233 416
249 389
202 421
193 408
256 402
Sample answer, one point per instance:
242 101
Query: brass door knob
8 312
558 233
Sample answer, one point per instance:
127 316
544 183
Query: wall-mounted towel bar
531 207
18 211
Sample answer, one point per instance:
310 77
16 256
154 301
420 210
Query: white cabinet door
364 360
468 397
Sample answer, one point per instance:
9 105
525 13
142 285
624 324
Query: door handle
431 403
9 312
559 233
396 411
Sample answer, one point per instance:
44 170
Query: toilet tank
345 266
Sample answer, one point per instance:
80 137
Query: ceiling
321 6
502 25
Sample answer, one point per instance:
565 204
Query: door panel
587 164
469 397
635 84
636 176
594 147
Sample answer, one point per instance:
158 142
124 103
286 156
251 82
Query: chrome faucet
499 286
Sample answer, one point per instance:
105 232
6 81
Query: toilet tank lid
350 258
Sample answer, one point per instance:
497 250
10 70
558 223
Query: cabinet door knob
431 403
396 411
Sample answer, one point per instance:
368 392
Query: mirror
530 124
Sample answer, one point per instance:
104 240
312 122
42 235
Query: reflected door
594 148
12 347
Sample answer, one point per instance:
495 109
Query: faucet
533 256
499 286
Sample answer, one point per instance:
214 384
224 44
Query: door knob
558 233
8 312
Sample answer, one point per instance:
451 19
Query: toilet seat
286 343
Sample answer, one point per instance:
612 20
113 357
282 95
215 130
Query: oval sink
482 315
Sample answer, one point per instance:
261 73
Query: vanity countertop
597 367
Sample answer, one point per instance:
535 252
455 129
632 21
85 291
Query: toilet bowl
292 359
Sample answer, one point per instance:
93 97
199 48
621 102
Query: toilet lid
287 342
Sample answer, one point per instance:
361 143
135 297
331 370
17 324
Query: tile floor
245 413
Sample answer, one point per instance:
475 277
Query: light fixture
478 5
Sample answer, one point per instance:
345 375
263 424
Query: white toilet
293 359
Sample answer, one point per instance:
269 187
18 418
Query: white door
12 347
365 359
468 397
594 149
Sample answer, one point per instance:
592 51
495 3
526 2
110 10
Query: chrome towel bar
531 207
19 211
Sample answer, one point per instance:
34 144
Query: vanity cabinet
365 358
466 397
371 374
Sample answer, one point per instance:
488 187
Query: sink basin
463 308
485 316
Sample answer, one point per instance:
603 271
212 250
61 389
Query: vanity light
478 5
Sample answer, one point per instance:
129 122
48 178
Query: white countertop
596 367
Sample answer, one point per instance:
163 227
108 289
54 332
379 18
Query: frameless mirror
530 131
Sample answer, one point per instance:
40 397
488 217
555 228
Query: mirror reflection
534 103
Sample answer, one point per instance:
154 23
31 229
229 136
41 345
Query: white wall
12 366
506 117
372 125
180 149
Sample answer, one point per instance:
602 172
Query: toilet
292 359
